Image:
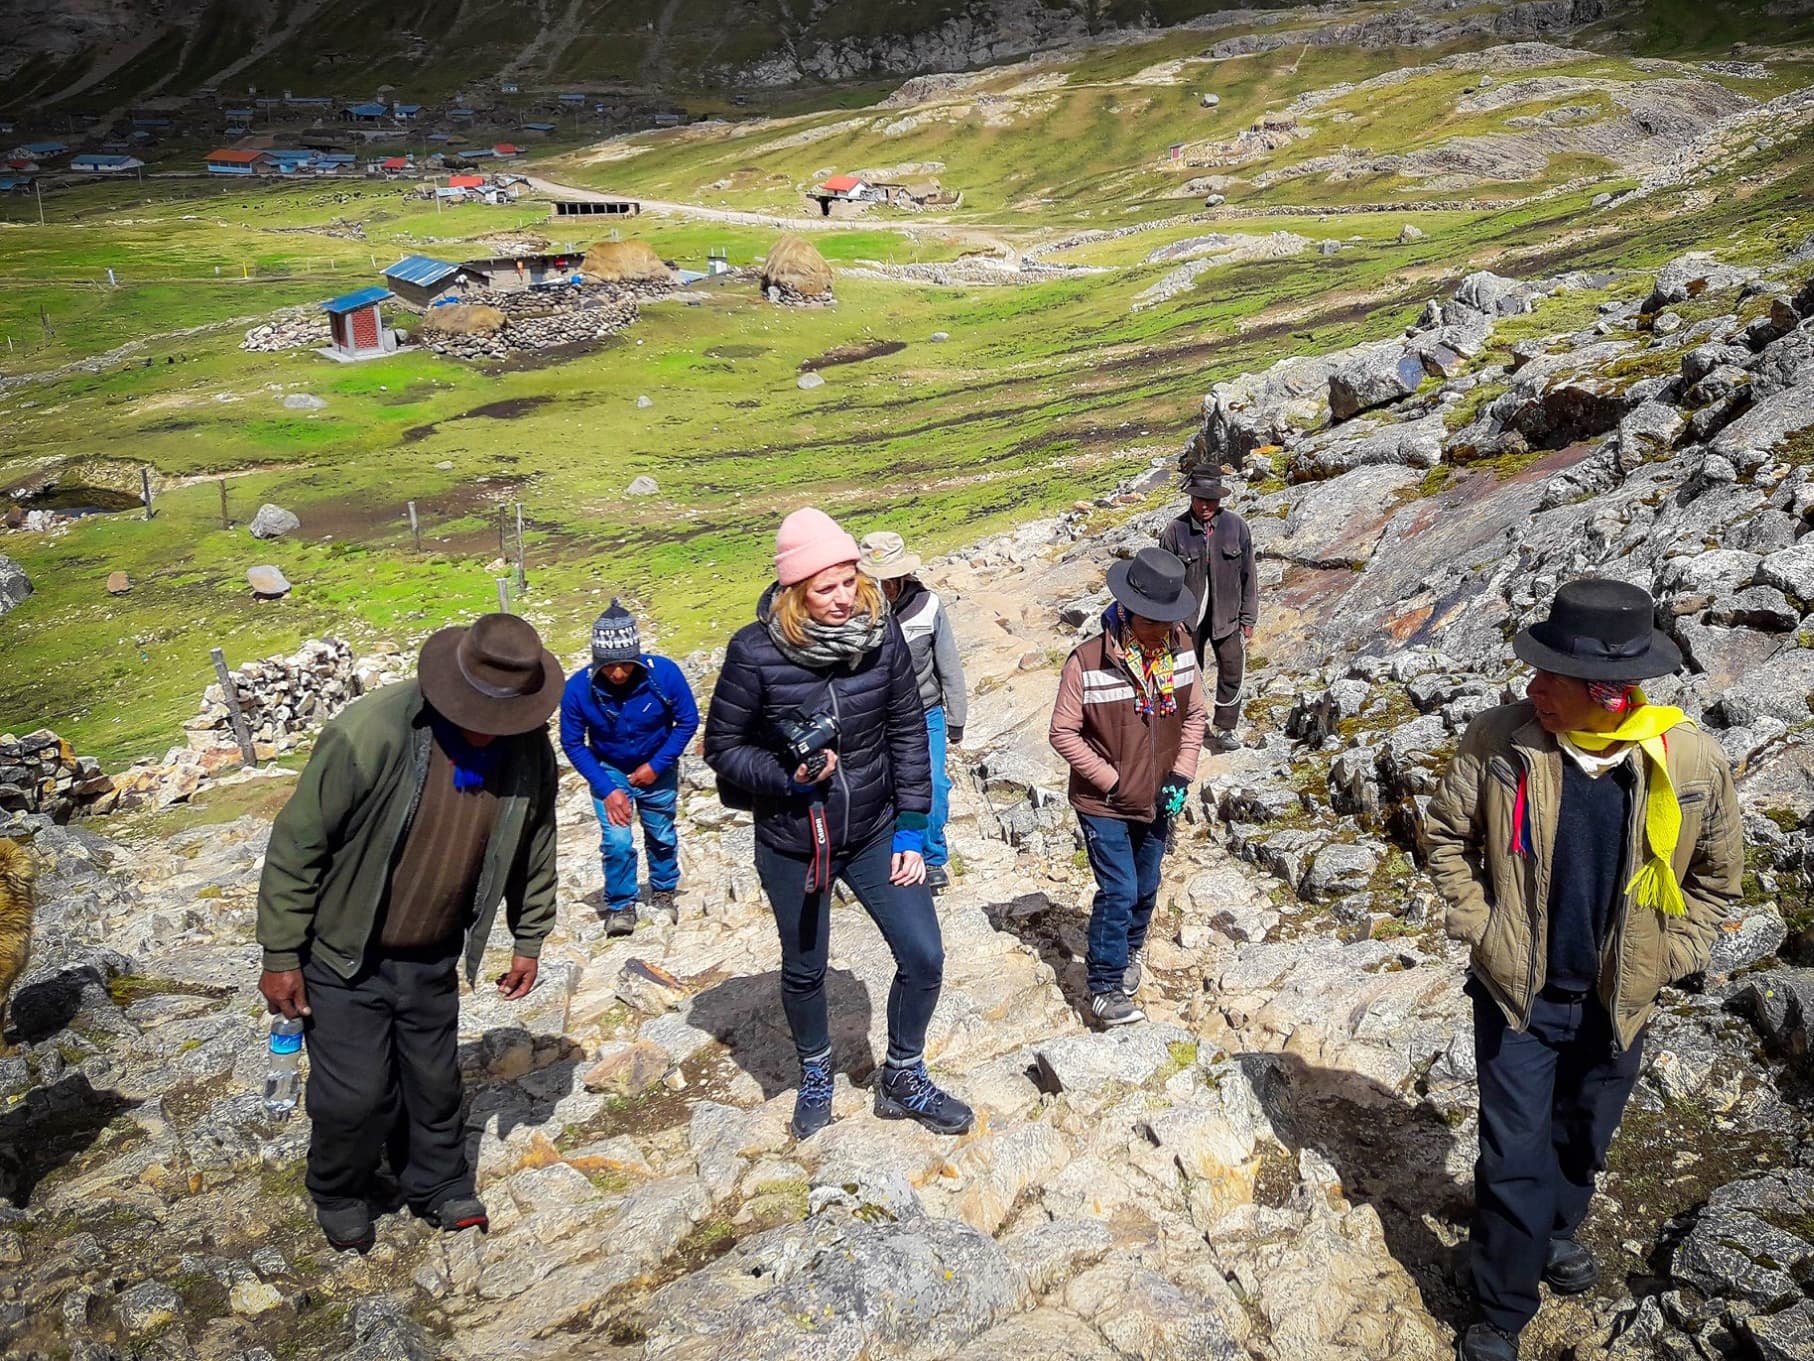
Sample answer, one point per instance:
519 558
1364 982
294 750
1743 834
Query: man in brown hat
1588 843
423 806
1217 552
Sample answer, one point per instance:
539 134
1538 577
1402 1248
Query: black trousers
1228 657
384 1074
909 924
1550 1099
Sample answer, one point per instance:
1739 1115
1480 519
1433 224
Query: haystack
625 262
464 319
794 265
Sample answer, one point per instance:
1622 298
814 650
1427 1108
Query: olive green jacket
1498 900
327 869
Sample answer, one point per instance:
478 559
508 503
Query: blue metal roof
106 160
408 108
291 155
46 148
538 127
352 302
367 110
422 270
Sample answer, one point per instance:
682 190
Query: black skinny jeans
908 923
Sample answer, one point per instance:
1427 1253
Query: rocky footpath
1277 1165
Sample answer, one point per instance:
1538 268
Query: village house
372 112
538 127
40 151
841 195
518 273
422 281
231 161
357 326
92 163
615 207
406 113
291 160
239 113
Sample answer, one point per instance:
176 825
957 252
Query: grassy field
1042 393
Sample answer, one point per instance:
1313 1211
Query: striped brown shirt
432 887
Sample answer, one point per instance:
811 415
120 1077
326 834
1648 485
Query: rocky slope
1276 1166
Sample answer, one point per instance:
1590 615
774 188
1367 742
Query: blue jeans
1125 858
937 853
655 805
1551 1096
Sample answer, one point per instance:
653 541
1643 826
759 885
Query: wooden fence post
522 579
230 693
226 521
415 528
145 488
503 595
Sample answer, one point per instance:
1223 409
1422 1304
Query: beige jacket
1498 900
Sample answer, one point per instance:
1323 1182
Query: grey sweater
936 665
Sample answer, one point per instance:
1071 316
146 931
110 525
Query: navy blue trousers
1551 1097
1126 860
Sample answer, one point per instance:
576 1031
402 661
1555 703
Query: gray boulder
642 486
15 586
808 381
273 522
1784 1336
1691 275
1753 937
1373 380
1790 571
1338 870
304 401
1494 294
1781 1006
267 582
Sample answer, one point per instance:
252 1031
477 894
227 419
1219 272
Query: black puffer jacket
883 763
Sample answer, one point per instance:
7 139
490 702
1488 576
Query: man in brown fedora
1588 844
423 806
1217 552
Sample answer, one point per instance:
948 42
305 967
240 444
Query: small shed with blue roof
423 281
357 325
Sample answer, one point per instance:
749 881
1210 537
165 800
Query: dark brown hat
494 677
1599 629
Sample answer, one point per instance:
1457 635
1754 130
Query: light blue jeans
655 806
937 853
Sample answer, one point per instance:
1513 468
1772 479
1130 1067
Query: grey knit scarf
833 645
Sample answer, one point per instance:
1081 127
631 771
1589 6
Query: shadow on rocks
1391 1152
51 1127
744 1015
1056 935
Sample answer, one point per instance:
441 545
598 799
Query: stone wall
41 773
292 329
542 319
284 697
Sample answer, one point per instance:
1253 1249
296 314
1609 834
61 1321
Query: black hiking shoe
662 900
1484 1342
911 1094
937 878
812 1106
460 1212
347 1228
620 923
1114 1008
1570 1268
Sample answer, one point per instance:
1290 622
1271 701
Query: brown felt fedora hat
493 677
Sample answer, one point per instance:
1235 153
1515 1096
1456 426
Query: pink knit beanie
808 542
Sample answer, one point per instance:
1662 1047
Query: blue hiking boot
812 1107
911 1094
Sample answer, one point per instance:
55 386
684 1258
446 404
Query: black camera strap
818 874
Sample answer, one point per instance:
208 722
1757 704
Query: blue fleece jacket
607 735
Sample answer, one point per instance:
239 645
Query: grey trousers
1229 655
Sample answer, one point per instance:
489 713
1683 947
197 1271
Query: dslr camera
805 738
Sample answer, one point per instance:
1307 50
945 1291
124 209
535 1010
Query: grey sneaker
621 923
1114 1008
1135 973
662 901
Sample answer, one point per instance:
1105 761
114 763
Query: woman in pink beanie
816 725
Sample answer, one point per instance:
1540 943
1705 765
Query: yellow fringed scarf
1654 884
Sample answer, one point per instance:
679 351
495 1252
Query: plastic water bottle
283 1079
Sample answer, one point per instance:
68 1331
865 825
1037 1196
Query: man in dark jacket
1588 843
423 806
937 669
1129 723
1217 552
625 721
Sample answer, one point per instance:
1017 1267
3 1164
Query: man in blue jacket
625 720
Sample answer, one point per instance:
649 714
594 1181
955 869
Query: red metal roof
841 184
394 163
228 156
505 149
465 181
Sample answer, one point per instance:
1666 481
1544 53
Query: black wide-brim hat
1599 630
494 677
1206 484
1151 584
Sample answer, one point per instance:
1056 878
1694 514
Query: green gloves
1172 795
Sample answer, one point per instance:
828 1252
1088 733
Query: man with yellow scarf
1588 844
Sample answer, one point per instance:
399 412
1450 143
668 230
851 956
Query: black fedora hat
1151 585
1206 483
1602 630
494 677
